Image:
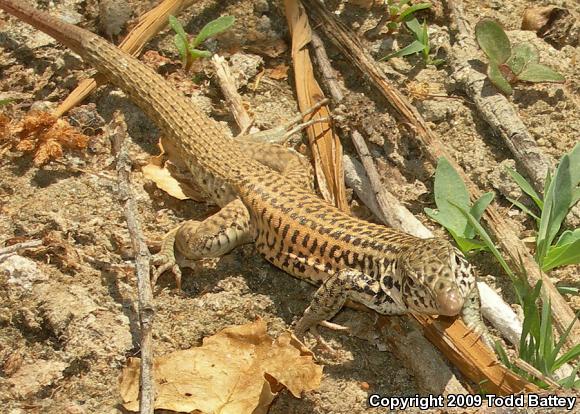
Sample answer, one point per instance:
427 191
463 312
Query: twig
433 148
9 250
230 90
142 263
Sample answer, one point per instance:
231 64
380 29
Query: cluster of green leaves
188 49
419 45
561 193
451 195
461 219
401 11
509 65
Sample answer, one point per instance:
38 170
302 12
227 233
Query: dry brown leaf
279 72
47 137
171 175
325 145
238 370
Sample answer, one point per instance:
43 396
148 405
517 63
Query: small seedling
401 11
419 45
509 65
188 49
561 193
450 192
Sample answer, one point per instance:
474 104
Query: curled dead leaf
171 175
238 370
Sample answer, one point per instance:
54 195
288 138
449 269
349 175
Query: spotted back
435 277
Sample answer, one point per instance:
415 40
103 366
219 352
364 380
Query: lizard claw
162 263
305 325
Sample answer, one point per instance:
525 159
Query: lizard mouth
450 302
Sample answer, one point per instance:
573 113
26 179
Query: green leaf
176 26
523 208
522 55
566 251
414 47
469 245
567 357
568 290
6 101
419 30
536 72
406 14
497 78
182 47
486 239
481 204
559 345
526 187
213 28
500 351
197 54
556 204
450 191
493 41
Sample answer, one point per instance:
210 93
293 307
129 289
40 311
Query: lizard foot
305 325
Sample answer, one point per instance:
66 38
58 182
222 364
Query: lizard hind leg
194 240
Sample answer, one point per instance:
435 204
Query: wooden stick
230 90
142 263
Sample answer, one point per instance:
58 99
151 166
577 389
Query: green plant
450 191
419 45
509 65
188 49
5 101
401 11
537 345
561 193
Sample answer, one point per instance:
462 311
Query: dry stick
142 263
149 25
493 306
230 90
13 248
433 148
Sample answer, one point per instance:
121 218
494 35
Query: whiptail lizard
379 267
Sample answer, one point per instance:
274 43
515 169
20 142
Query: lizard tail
65 33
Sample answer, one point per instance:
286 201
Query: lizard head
436 278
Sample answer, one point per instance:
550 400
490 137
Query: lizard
266 198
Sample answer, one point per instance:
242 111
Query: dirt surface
68 313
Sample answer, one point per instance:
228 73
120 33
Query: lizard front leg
345 284
471 315
195 240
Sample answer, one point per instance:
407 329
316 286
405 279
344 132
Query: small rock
261 6
31 378
21 271
244 67
113 15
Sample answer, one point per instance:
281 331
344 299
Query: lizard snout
450 302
